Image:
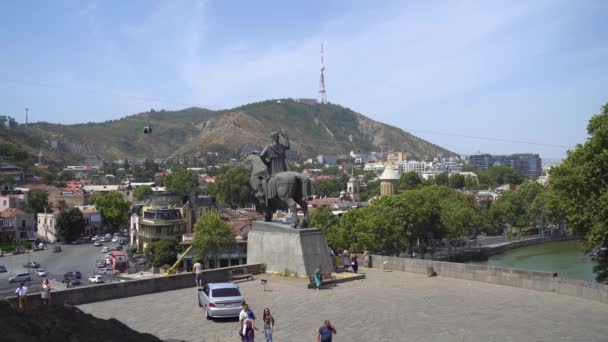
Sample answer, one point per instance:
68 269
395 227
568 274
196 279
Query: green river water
567 258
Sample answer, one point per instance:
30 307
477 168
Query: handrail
172 269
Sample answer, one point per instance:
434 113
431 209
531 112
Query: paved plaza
387 306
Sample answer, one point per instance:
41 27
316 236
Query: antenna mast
322 95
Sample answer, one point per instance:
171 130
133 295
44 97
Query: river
567 258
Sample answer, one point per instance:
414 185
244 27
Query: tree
162 252
37 201
582 182
507 210
7 180
65 176
113 207
457 181
324 219
441 179
70 224
181 180
470 183
409 181
233 188
212 236
460 215
143 191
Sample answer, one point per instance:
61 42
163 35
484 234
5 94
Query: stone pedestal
279 246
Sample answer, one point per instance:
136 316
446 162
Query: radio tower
322 95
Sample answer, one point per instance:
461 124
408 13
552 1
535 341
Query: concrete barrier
533 280
128 288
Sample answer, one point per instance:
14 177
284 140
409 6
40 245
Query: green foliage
37 201
323 218
212 236
409 181
7 180
581 181
371 190
441 179
288 273
330 187
143 191
12 153
70 224
233 188
460 215
65 176
457 181
263 268
163 252
113 207
181 180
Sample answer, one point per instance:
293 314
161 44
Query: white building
46 226
412 166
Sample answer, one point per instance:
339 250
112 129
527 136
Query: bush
7 246
26 244
262 268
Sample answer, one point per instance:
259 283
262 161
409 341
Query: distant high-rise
528 165
481 161
322 95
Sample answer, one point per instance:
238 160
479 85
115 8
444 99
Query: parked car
56 249
19 277
71 281
105 250
97 244
32 264
72 274
38 247
96 279
41 272
100 263
220 300
115 239
94 238
2 269
109 270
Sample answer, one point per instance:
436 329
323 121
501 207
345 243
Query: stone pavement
386 306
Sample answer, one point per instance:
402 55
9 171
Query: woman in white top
46 291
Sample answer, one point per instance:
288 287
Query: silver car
220 300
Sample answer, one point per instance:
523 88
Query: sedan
32 264
98 244
71 281
94 238
96 279
105 250
100 263
109 270
220 300
56 249
72 274
41 272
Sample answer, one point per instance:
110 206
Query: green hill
313 129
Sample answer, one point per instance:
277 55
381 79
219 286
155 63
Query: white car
98 244
41 272
105 250
94 238
96 279
109 270
115 239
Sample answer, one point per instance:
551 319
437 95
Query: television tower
322 95
26 111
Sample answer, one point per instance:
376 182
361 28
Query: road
72 258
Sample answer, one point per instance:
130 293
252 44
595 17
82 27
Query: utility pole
26 110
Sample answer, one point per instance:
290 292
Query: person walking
326 332
45 290
354 263
198 273
21 293
245 316
345 260
318 278
268 324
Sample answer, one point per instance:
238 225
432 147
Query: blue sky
447 71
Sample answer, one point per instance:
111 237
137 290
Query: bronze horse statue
280 191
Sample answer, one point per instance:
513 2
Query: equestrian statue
276 187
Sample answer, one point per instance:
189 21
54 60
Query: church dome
389 173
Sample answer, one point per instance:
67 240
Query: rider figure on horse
273 156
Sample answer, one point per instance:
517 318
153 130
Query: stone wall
88 294
533 280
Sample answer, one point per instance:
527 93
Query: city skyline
495 78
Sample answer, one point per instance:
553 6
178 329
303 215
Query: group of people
345 260
247 326
45 291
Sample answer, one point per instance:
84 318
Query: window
22 223
223 262
226 292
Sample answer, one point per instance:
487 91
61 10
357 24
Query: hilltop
313 129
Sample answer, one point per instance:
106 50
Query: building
66 199
481 161
353 189
395 157
412 166
16 201
7 122
11 170
374 166
388 182
327 159
15 225
449 168
528 165
46 226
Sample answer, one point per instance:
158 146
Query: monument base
281 247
